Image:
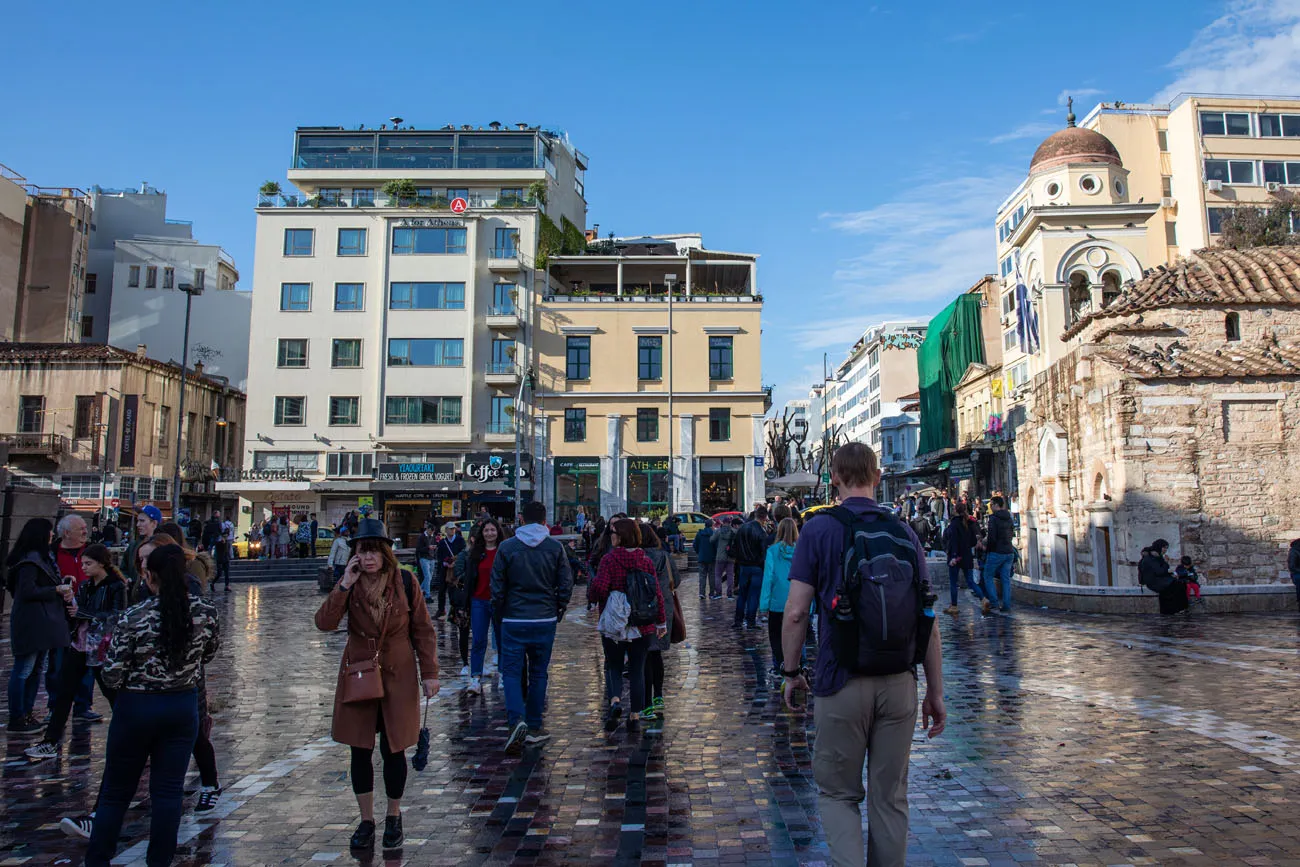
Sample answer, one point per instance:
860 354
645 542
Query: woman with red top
625 556
473 574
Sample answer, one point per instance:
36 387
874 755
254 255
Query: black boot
393 836
364 836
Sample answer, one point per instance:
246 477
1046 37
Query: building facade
53 254
99 425
649 394
392 317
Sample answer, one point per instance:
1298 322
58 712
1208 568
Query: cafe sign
577 465
233 475
647 465
494 468
416 472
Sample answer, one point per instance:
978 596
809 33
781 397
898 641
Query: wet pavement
1072 739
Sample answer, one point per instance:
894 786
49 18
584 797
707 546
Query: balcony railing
501 428
437 202
503 253
35 443
501 368
505 310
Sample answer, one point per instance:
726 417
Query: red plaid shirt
612 575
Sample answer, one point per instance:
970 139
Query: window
873 358
511 196
503 298
362 197
349 297
418 241
1008 303
31 413
426 352
874 409
1282 173
339 465
133 276
295 297
84 487
87 327
1224 123
874 383
719 425
169 278
575 425
160 489
1231 325
290 410
91 280
650 358
1162 141
720 366
199 279
151 277
345 410
352 242
283 461
426 296
1216 216
1007 266
577 358
82 425
457 193
1166 185
422 410
502 418
647 425
298 242
506 244
1171 235
1230 171
292 352
345 352
503 355
1278 125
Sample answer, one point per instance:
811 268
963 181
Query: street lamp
190 291
669 280
525 382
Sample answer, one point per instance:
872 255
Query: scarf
374 595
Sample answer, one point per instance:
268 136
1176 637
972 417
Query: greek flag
1026 317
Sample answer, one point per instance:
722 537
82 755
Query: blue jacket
776 577
705 546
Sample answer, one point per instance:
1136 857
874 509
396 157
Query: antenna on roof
1069 117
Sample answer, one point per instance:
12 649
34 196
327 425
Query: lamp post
669 280
190 291
525 381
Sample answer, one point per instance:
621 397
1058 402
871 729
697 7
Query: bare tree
786 432
1247 226
204 353
832 439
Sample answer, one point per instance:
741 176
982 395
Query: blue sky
860 148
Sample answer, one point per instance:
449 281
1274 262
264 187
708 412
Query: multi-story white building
138 260
878 372
391 306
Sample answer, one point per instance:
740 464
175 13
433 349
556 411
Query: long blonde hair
787 531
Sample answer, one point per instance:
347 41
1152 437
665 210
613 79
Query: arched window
1232 326
1110 288
1080 296
1099 491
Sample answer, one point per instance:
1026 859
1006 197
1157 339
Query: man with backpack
751 554
875 624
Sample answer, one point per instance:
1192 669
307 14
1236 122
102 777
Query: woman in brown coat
386 611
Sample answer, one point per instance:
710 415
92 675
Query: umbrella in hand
421 758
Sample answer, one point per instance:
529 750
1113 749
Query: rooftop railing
437 202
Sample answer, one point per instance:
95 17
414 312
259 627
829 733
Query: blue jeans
750 579
480 621
954 573
528 643
24 680
85 695
997 572
159 728
426 570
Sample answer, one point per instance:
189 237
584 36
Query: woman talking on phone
378 687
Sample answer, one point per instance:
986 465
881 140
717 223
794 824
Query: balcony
767 397
503 259
501 373
35 444
373 198
503 318
499 432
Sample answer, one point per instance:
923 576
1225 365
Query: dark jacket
102 601
424 546
751 545
531 578
704 544
1293 558
1002 533
447 550
666 572
211 533
39 619
1153 571
959 542
722 544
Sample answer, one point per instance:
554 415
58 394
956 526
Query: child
1187 572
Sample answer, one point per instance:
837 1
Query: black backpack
881 617
642 598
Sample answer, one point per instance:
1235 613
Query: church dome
1074 145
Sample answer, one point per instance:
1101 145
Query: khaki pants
871 719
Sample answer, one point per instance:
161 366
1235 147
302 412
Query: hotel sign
424 472
430 223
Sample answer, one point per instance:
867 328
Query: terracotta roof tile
1224 361
1211 277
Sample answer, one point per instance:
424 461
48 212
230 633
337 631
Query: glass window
511 196
349 464
575 425
151 277
305 461
1215 220
426 352
1224 123
363 196
298 242
91 281
426 296
650 358
421 151
352 242
422 410
169 278
506 244
457 193
1238 124
720 366
290 410
1162 141
199 279
133 276
578 358
83 413
719 424
31 413
349 297
503 298
1281 173
647 491
295 297
647 425
345 352
87 327
497 151
292 352
408 242
345 410
1230 171
503 355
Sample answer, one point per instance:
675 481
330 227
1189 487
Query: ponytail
167 567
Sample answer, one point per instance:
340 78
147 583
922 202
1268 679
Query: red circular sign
459 205
113 503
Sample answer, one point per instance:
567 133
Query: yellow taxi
324 541
690 523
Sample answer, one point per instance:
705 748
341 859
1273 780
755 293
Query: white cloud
1036 129
1079 93
1253 48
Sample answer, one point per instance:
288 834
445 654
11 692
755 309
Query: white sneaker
41 751
77 826
475 686
464 671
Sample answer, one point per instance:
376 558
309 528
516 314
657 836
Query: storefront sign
430 223
416 473
130 415
485 467
231 475
367 500
647 465
960 470
577 465
758 460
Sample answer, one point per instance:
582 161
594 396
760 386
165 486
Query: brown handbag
363 680
678 634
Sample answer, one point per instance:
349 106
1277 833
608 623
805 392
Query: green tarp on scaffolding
953 340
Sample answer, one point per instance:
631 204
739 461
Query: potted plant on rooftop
402 192
267 193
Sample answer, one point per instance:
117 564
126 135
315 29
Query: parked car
324 540
691 523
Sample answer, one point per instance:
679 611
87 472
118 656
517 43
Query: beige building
13 218
642 405
1172 416
100 424
52 266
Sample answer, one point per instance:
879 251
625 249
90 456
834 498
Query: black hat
369 528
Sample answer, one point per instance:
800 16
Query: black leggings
654 674
363 771
463 633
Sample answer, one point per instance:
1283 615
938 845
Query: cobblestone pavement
1072 740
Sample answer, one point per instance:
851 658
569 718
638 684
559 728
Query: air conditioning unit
1272 186
1169 202
1214 186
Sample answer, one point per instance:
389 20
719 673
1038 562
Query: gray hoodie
531 578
